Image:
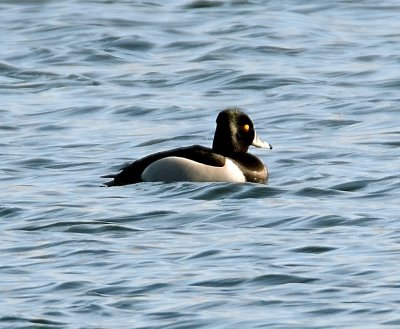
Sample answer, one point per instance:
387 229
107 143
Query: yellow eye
246 128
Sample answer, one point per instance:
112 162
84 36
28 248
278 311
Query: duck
227 160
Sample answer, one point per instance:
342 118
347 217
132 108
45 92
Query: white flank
174 169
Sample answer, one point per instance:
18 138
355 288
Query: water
89 85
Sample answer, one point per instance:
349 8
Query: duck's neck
221 143
224 143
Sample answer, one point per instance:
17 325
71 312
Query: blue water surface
86 86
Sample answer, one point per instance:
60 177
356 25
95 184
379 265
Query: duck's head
235 133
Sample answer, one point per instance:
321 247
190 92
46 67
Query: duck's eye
246 128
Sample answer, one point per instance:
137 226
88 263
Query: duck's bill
259 143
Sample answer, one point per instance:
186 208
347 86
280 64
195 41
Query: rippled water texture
86 86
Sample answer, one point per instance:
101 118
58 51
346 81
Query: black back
132 173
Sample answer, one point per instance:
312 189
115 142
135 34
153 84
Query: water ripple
279 279
89 85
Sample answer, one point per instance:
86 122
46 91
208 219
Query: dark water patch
314 192
91 57
276 50
395 322
281 279
71 165
71 285
205 254
189 44
336 123
203 4
210 56
101 57
36 247
134 111
83 227
368 58
92 252
313 249
35 163
43 81
352 186
79 145
128 291
154 80
54 58
329 291
388 83
182 189
266 302
182 323
90 308
32 322
328 311
365 273
156 215
11 270
258 192
135 43
220 283
80 79
197 77
51 127
394 144
39 87
345 75
280 222
363 220
289 161
215 192
6 212
238 28
6 68
104 228
125 304
169 315
68 111
259 82
34 75
326 221
125 22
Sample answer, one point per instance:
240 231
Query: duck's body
226 161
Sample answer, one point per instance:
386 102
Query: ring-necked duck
226 161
